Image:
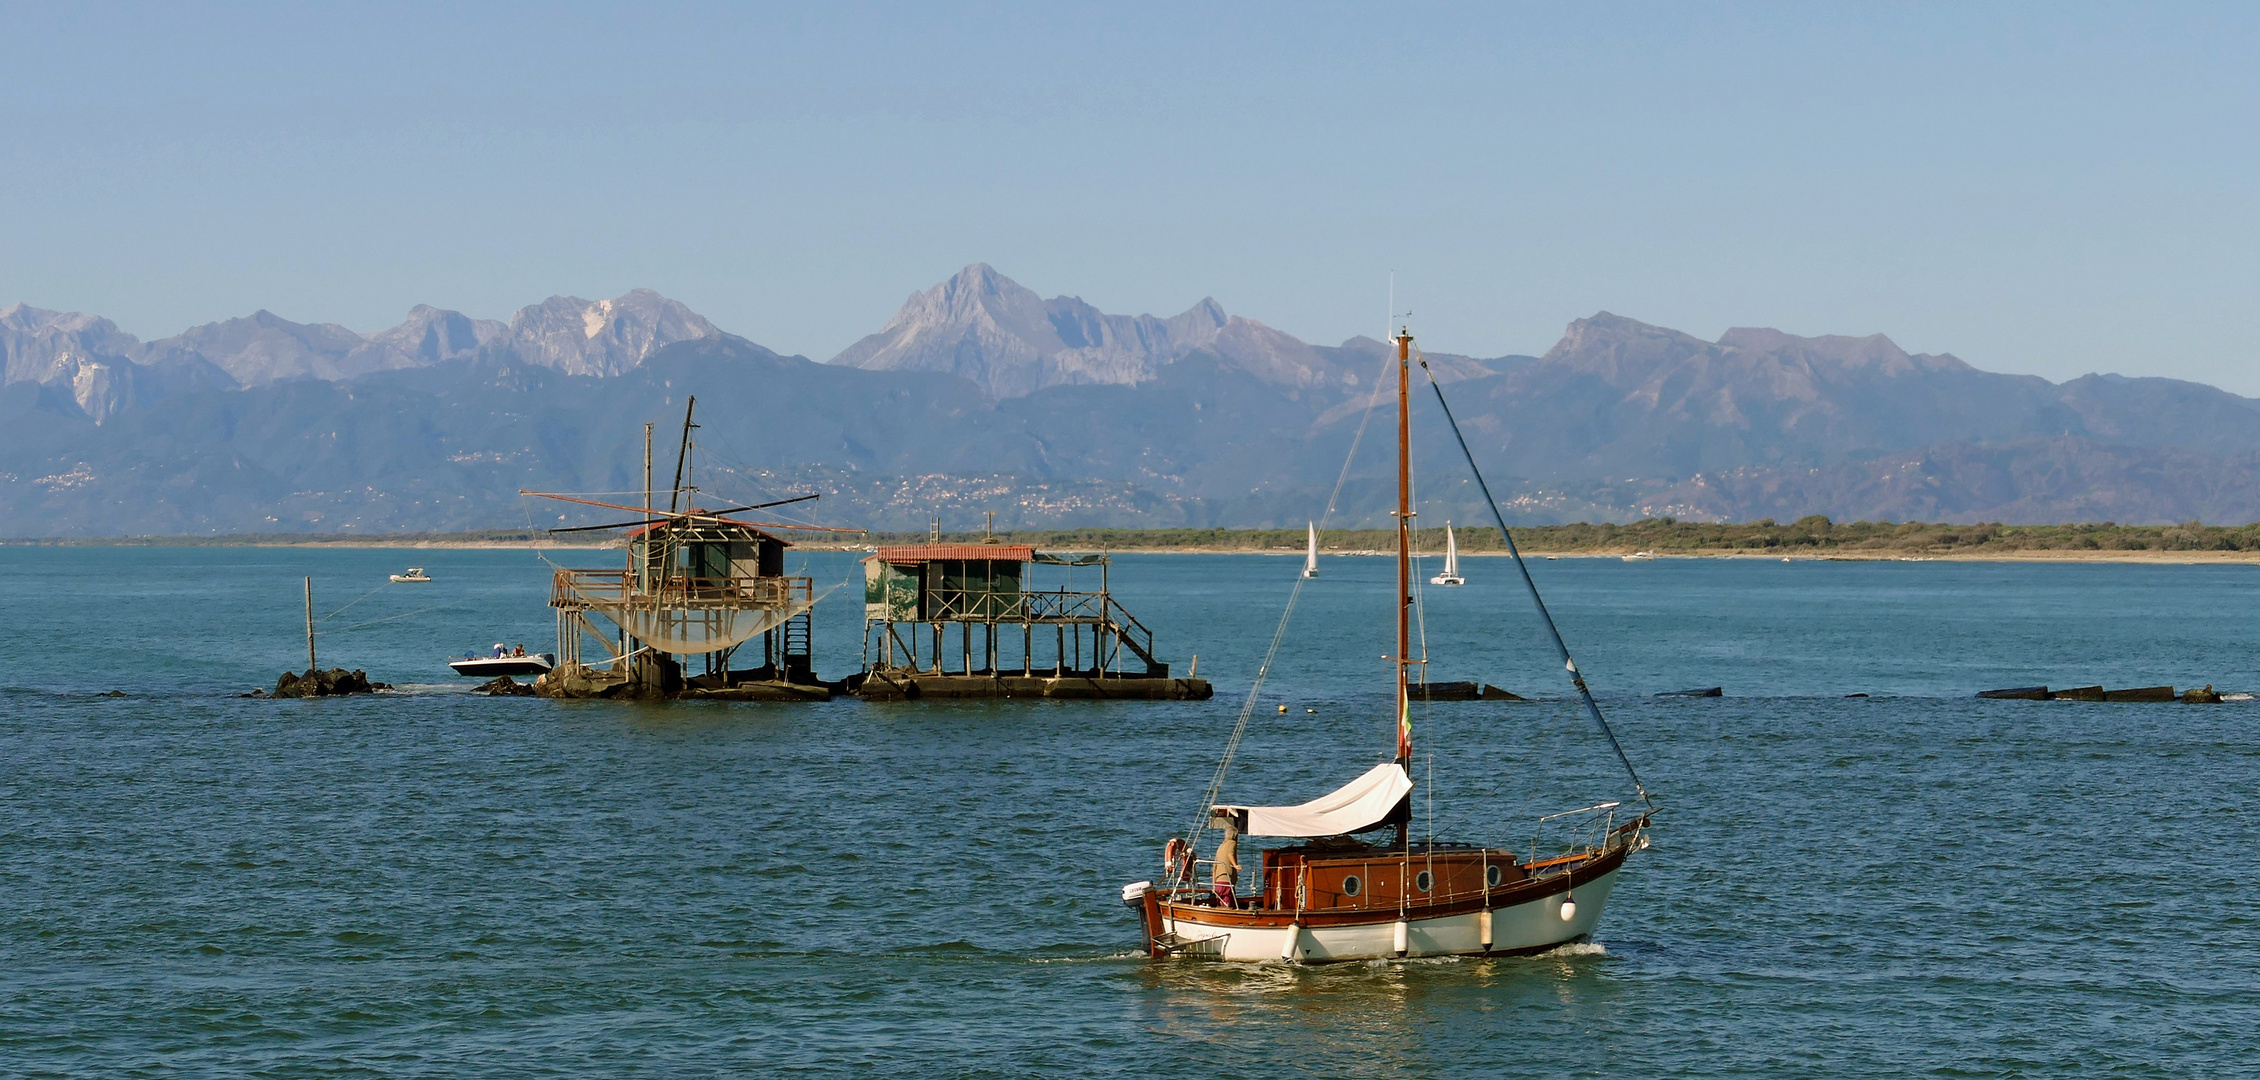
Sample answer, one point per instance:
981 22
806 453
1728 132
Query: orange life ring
1177 857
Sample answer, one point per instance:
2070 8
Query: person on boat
1224 870
519 650
500 650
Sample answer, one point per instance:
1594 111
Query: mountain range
981 395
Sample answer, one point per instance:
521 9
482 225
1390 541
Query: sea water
430 883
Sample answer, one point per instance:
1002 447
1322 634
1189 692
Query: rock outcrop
334 682
504 686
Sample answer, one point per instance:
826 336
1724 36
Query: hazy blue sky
2048 188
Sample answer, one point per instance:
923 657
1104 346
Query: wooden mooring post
310 668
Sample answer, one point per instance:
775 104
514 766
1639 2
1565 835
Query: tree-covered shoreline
1813 535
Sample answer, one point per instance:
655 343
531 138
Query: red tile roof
918 553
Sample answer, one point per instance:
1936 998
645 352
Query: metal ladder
794 644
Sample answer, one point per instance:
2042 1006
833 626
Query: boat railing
572 589
1572 835
1049 606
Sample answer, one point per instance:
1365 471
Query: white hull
1526 927
490 666
1451 574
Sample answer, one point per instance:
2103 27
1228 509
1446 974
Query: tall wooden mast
1404 546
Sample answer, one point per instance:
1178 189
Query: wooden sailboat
1451 574
1333 894
1310 554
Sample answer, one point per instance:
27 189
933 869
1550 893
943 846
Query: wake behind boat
1334 895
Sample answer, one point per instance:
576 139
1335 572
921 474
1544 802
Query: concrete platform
908 686
770 690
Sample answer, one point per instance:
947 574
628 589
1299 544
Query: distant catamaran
1310 557
1451 574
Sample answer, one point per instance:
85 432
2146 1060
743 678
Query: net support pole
310 626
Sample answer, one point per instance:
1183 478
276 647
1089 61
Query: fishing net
694 630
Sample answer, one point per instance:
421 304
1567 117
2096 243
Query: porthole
1423 880
1492 875
1350 885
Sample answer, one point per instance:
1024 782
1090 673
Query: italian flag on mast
1404 724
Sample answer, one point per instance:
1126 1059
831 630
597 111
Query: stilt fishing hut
697 590
939 621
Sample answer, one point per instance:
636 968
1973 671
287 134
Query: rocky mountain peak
264 347
603 337
34 342
985 327
427 336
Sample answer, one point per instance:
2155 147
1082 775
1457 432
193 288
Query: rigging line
1592 708
355 600
388 618
1279 635
750 478
539 542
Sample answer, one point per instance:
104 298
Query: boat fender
1569 908
1483 923
1291 951
1398 935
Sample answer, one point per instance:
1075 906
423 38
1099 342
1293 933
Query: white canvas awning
1361 804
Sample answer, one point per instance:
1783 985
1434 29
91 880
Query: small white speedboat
488 667
415 573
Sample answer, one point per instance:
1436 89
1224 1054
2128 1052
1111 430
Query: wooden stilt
310 668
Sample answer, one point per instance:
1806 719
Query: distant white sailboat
1451 574
1310 559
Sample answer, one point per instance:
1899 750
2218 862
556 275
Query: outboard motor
1134 898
